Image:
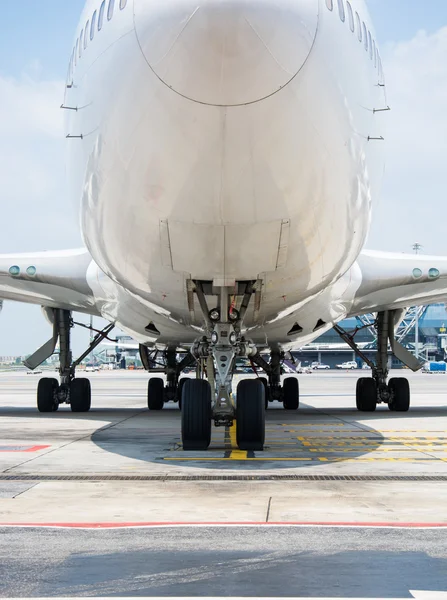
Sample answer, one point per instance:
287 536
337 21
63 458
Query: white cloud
35 210
413 204
32 107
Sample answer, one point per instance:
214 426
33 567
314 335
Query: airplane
225 157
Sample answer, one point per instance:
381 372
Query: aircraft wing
52 279
392 281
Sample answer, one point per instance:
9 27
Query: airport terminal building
430 321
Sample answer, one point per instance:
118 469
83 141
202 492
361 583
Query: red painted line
26 449
107 525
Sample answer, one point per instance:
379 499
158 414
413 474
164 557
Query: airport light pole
416 248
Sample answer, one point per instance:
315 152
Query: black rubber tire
196 414
181 383
400 388
366 394
265 383
250 415
46 390
155 393
291 393
80 395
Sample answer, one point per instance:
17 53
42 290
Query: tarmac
336 492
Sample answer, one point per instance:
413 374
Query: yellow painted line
233 435
238 455
235 454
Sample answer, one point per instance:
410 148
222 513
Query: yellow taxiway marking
238 455
235 454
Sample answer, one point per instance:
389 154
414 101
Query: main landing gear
157 361
73 391
374 390
289 392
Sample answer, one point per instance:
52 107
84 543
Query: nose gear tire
250 414
265 383
196 414
181 383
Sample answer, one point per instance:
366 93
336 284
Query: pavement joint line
268 510
26 490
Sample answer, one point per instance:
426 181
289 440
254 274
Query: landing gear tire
291 393
181 383
46 395
196 414
155 393
366 394
80 395
400 389
250 414
265 383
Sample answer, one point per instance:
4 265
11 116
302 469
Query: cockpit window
80 43
93 27
341 10
123 4
329 4
110 9
87 27
370 45
101 15
359 26
365 36
350 16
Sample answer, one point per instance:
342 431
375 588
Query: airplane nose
226 52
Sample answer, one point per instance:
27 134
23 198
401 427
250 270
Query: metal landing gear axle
376 389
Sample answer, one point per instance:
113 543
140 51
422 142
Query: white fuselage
224 140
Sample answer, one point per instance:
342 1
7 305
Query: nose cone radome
226 52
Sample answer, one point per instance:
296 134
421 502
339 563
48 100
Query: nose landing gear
216 353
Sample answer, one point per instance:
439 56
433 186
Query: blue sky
37 30
36 39
396 20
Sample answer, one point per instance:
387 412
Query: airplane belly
174 188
